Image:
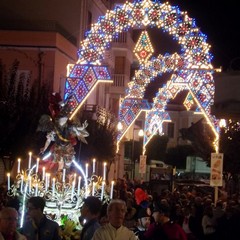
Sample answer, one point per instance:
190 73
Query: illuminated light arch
195 71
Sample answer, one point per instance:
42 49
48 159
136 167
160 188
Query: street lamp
140 134
222 125
119 126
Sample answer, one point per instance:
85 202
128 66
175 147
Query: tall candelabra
64 193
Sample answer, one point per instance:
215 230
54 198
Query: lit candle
111 192
79 184
53 185
104 170
43 173
29 184
86 189
19 162
86 166
94 165
21 186
37 165
102 193
64 175
36 189
8 181
93 188
47 181
49 177
74 177
29 160
73 187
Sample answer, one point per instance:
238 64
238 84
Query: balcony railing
118 80
122 38
98 113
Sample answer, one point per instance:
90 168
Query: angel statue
63 132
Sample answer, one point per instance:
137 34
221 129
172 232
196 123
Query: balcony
98 113
118 80
123 40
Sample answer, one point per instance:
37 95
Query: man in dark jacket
162 227
90 212
143 222
38 226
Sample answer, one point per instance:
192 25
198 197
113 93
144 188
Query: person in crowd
208 224
197 215
37 226
163 227
8 225
90 212
187 222
130 216
13 202
103 219
218 211
229 223
143 222
114 230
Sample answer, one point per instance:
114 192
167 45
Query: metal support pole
133 158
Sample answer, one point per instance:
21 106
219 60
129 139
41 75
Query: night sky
220 21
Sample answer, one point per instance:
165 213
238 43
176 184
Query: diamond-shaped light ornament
143 49
82 79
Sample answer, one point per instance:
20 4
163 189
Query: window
170 130
115 106
119 65
89 21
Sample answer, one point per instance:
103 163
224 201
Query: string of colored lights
192 67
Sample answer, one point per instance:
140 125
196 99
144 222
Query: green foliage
201 136
21 105
101 141
229 145
157 147
176 156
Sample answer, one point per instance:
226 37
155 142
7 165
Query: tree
229 145
21 106
157 147
176 156
201 137
101 141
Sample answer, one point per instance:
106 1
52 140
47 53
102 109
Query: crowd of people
133 213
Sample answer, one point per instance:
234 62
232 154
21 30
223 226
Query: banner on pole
142 164
216 179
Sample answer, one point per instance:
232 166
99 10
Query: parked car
202 188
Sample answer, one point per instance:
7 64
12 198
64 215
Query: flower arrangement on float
69 230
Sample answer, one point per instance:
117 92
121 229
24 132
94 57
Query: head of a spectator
8 221
219 204
35 207
161 213
116 211
91 208
208 210
144 218
13 202
198 201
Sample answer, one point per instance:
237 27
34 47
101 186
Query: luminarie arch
191 68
